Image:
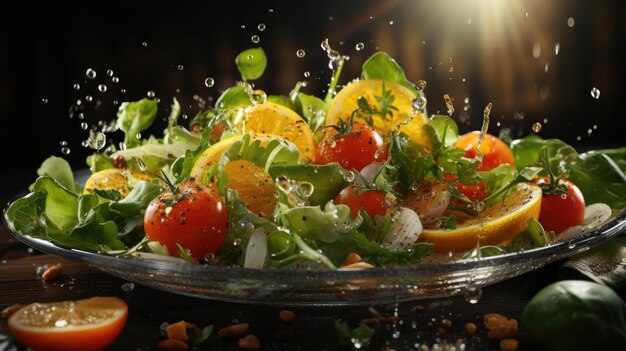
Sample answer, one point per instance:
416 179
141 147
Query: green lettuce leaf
333 223
251 63
58 169
134 117
382 66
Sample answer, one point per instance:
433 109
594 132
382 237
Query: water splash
449 104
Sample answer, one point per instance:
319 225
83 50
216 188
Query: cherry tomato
561 211
476 192
192 216
494 150
353 151
372 201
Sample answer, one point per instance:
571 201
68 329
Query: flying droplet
449 105
115 80
420 85
536 50
261 27
102 88
469 20
391 23
525 16
419 104
110 72
595 93
307 74
44 100
255 39
65 150
144 44
91 74
84 125
571 22
300 53
151 94
537 127
243 26
423 42
451 69
557 48
359 46
63 143
96 140
76 86
209 82
89 98
181 67
546 67
270 10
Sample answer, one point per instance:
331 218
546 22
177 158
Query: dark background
483 50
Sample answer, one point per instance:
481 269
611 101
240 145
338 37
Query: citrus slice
90 324
346 102
254 186
496 225
273 119
117 179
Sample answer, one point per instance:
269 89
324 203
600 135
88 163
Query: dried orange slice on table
90 324
346 102
496 225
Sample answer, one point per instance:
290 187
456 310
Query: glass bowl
315 287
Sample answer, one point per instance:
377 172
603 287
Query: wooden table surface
312 328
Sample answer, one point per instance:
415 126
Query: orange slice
254 186
346 102
90 324
496 225
273 119
117 179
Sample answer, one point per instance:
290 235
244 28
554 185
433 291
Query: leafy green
446 129
375 253
527 152
61 205
98 162
58 169
327 180
382 66
498 177
412 163
233 97
385 101
333 223
251 63
282 100
313 110
577 315
134 117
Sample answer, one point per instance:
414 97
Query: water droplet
110 72
96 140
571 245
81 115
359 46
150 94
348 176
449 104
91 74
420 85
300 53
536 50
243 26
123 91
537 127
60 323
65 150
557 48
466 100
331 18
89 98
450 69
181 67
102 88
570 22
595 93
545 121
419 104
305 189
423 42
546 67
76 86
391 23
115 80
261 27
578 138
258 97
255 39
307 74
44 100
144 44
209 82
84 126
128 287
472 294
525 16
270 10
63 143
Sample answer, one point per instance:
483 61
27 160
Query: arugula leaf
327 180
251 63
412 163
58 169
333 223
375 253
134 117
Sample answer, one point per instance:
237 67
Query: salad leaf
412 163
233 97
98 162
617 155
527 152
135 203
58 169
382 66
446 129
251 63
327 180
134 117
61 205
313 110
23 215
333 223
498 177
282 100
375 253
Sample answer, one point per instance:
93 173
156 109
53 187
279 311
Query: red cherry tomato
476 192
353 151
561 211
372 201
494 151
192 216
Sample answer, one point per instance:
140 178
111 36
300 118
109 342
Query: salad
363 177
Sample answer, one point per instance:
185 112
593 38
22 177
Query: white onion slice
405 229
370 171
595 216
256 251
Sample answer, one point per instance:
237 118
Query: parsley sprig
386 106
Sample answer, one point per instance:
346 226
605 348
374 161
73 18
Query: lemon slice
346 102
90 324
117 179
273 119
496 225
